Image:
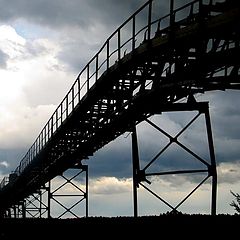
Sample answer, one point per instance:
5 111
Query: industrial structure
151 64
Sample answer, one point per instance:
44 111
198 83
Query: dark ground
147 227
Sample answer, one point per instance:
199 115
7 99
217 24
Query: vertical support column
86 193
212 171
136 168
23 209
49 200
40 205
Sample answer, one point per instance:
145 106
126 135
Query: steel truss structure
140 175
146 66
40 204
35 205
78 194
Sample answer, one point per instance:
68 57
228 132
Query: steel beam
136 168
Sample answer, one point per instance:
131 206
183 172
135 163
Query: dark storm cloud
112 160
77 52
11 157
3 59
80 25
58 13
225 117
103 19
226 114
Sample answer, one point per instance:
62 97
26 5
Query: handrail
86 79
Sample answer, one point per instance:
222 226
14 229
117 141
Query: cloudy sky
43 46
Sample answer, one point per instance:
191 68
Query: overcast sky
43 46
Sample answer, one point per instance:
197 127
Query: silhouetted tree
236 204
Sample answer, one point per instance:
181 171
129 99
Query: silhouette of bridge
144 68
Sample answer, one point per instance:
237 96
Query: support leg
135 163
213 171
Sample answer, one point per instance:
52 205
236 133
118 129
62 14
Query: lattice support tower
69 200
36 205
140 175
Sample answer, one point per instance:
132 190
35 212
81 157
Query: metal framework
35 206
140 175
39 204
77 194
